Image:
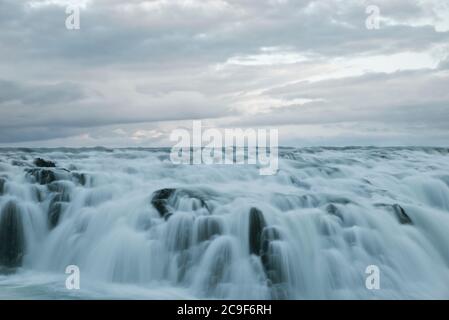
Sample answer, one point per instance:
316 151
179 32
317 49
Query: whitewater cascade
138 226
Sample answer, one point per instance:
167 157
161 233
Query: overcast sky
136 70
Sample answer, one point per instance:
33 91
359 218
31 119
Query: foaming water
139 227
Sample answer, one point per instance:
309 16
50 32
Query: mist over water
141 227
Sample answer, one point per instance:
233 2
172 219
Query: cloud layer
138 69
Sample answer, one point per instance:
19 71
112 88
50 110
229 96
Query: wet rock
207 227
37 193
80 178
41 163
167 200
273 262
59 202
46 176
6 271
12 238
399 212
180 231
18 163
220 257
344 215
297 182
41 176
269 234
256 225
61 188
54 212
159 200
402 215
333 210
2 186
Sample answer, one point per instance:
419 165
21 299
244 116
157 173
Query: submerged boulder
273 258
80 178
41 163
61 191
54 211
401 215
167 200
45 176
207 227
333 210
159 200
256 225
2 185
12 237
399 212
41 176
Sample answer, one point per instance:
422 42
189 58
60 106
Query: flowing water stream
139 227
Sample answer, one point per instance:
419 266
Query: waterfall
139 226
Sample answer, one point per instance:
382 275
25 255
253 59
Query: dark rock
402 216
268 234
207 228
41 163
166 200
18 163
61 191
274 263
399 212
61 188
6 271
180 230
54 212
333 210
159 200
218 269
345 218
2 186
256 225
41 176
80 178
12 237
39 195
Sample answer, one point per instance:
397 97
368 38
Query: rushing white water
225 231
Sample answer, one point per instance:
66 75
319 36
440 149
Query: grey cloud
131 65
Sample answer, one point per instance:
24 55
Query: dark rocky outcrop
55 210
180 230
41 176
399 212
265 241
159 200
12 237
80 178
62 188
45 176
166 200
19 163
273 262
333 210
207 227
41 163
256 225
401 215
61 191
2 185
219 267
